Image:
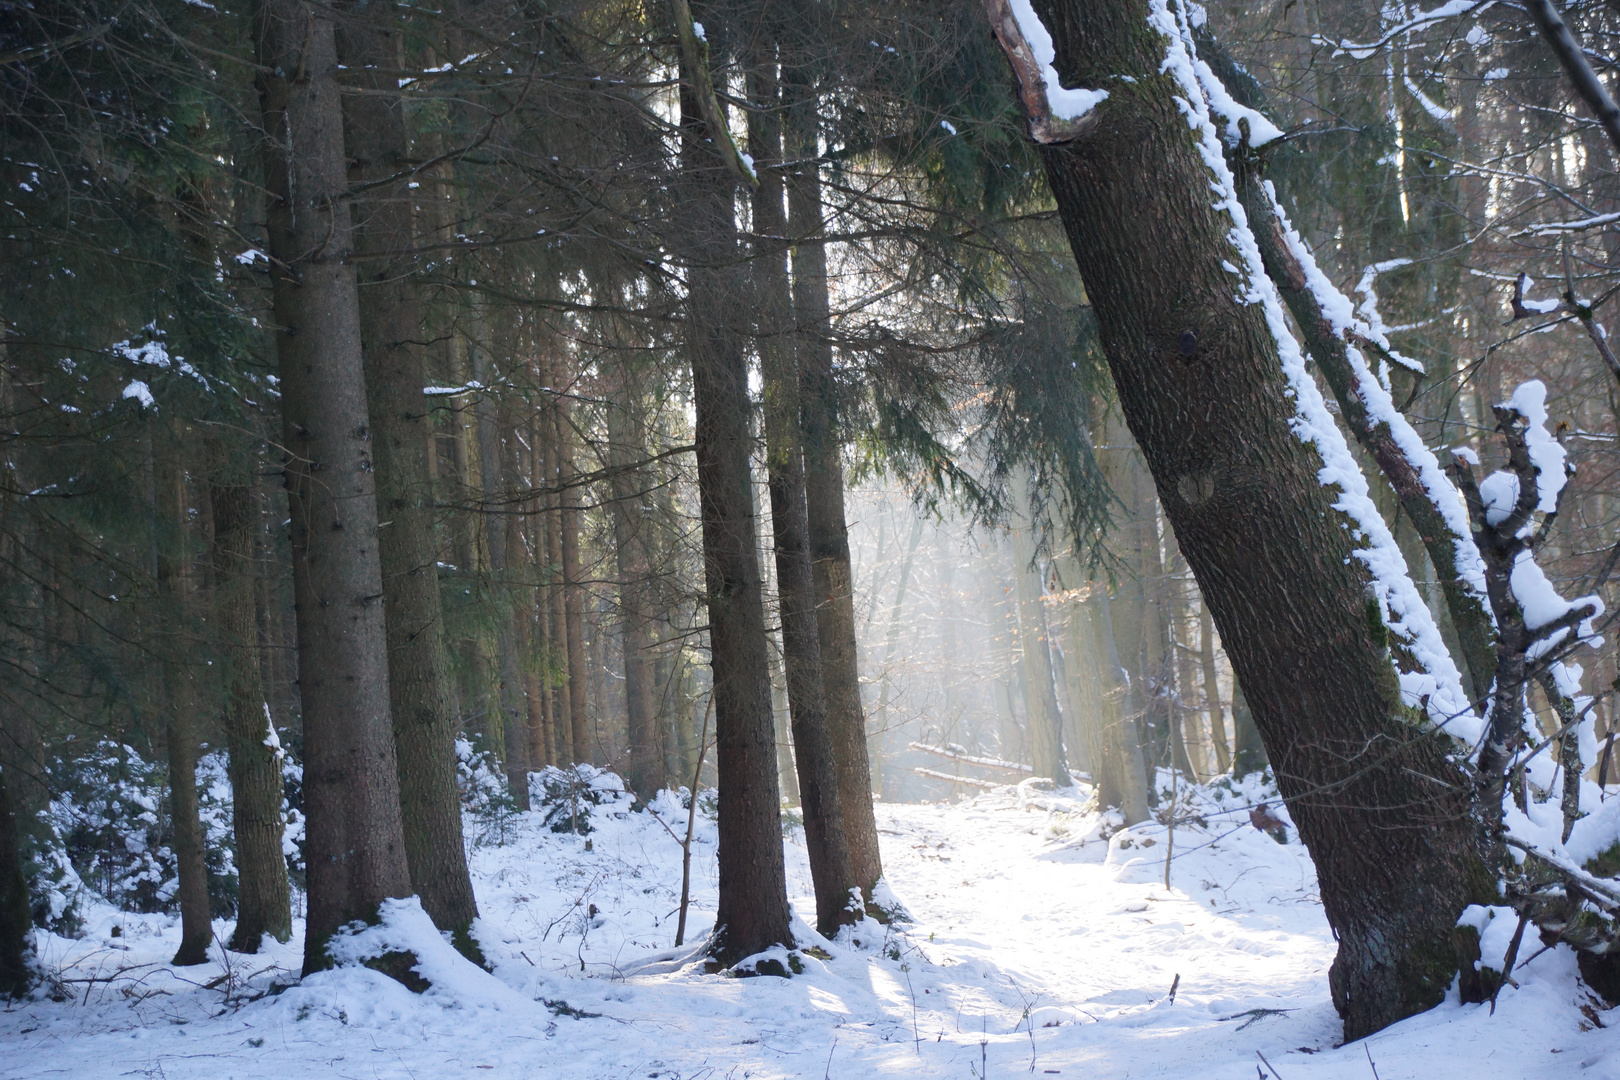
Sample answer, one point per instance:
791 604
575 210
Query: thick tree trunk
356 844
825 831
183 705
824 502
391 324
753 908
263 901
1202 388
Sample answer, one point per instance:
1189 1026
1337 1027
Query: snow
1043 936
1495 926
1438 684
1066 104
1530 402
140 392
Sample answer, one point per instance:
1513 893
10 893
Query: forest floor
1036 946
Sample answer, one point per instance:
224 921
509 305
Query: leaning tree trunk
753 908
356 843
824 498
1375 795
183 705
831 870
263 897
420 694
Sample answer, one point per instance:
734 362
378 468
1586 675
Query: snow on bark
1352 322
1066 104
1437 685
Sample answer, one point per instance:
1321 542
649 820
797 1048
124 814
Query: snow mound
404 928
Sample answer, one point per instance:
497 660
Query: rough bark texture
1383 810
753 909
391 330
824 505
831 871
263 900
183 705
1467 608
356 845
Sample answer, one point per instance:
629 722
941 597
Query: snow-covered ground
1036 946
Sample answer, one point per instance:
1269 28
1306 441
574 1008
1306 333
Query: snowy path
1030 951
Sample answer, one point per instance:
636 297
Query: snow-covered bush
566 796
108 830
111 813
484 794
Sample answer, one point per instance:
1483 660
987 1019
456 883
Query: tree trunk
753 909
1203 389
825 831
1212 689
506 725
572 591
16 921
627 442
1122 735
556 614
356 844
420 695
182 704
263 903
1045 721
1248 750
824 501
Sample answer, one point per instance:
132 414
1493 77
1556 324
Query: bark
556 614
16 921
1122 738
825 830
183 706
264 902
506 725
824 498
421 701
626 444
753 910
1202 388
1469 617
356 845
572 592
